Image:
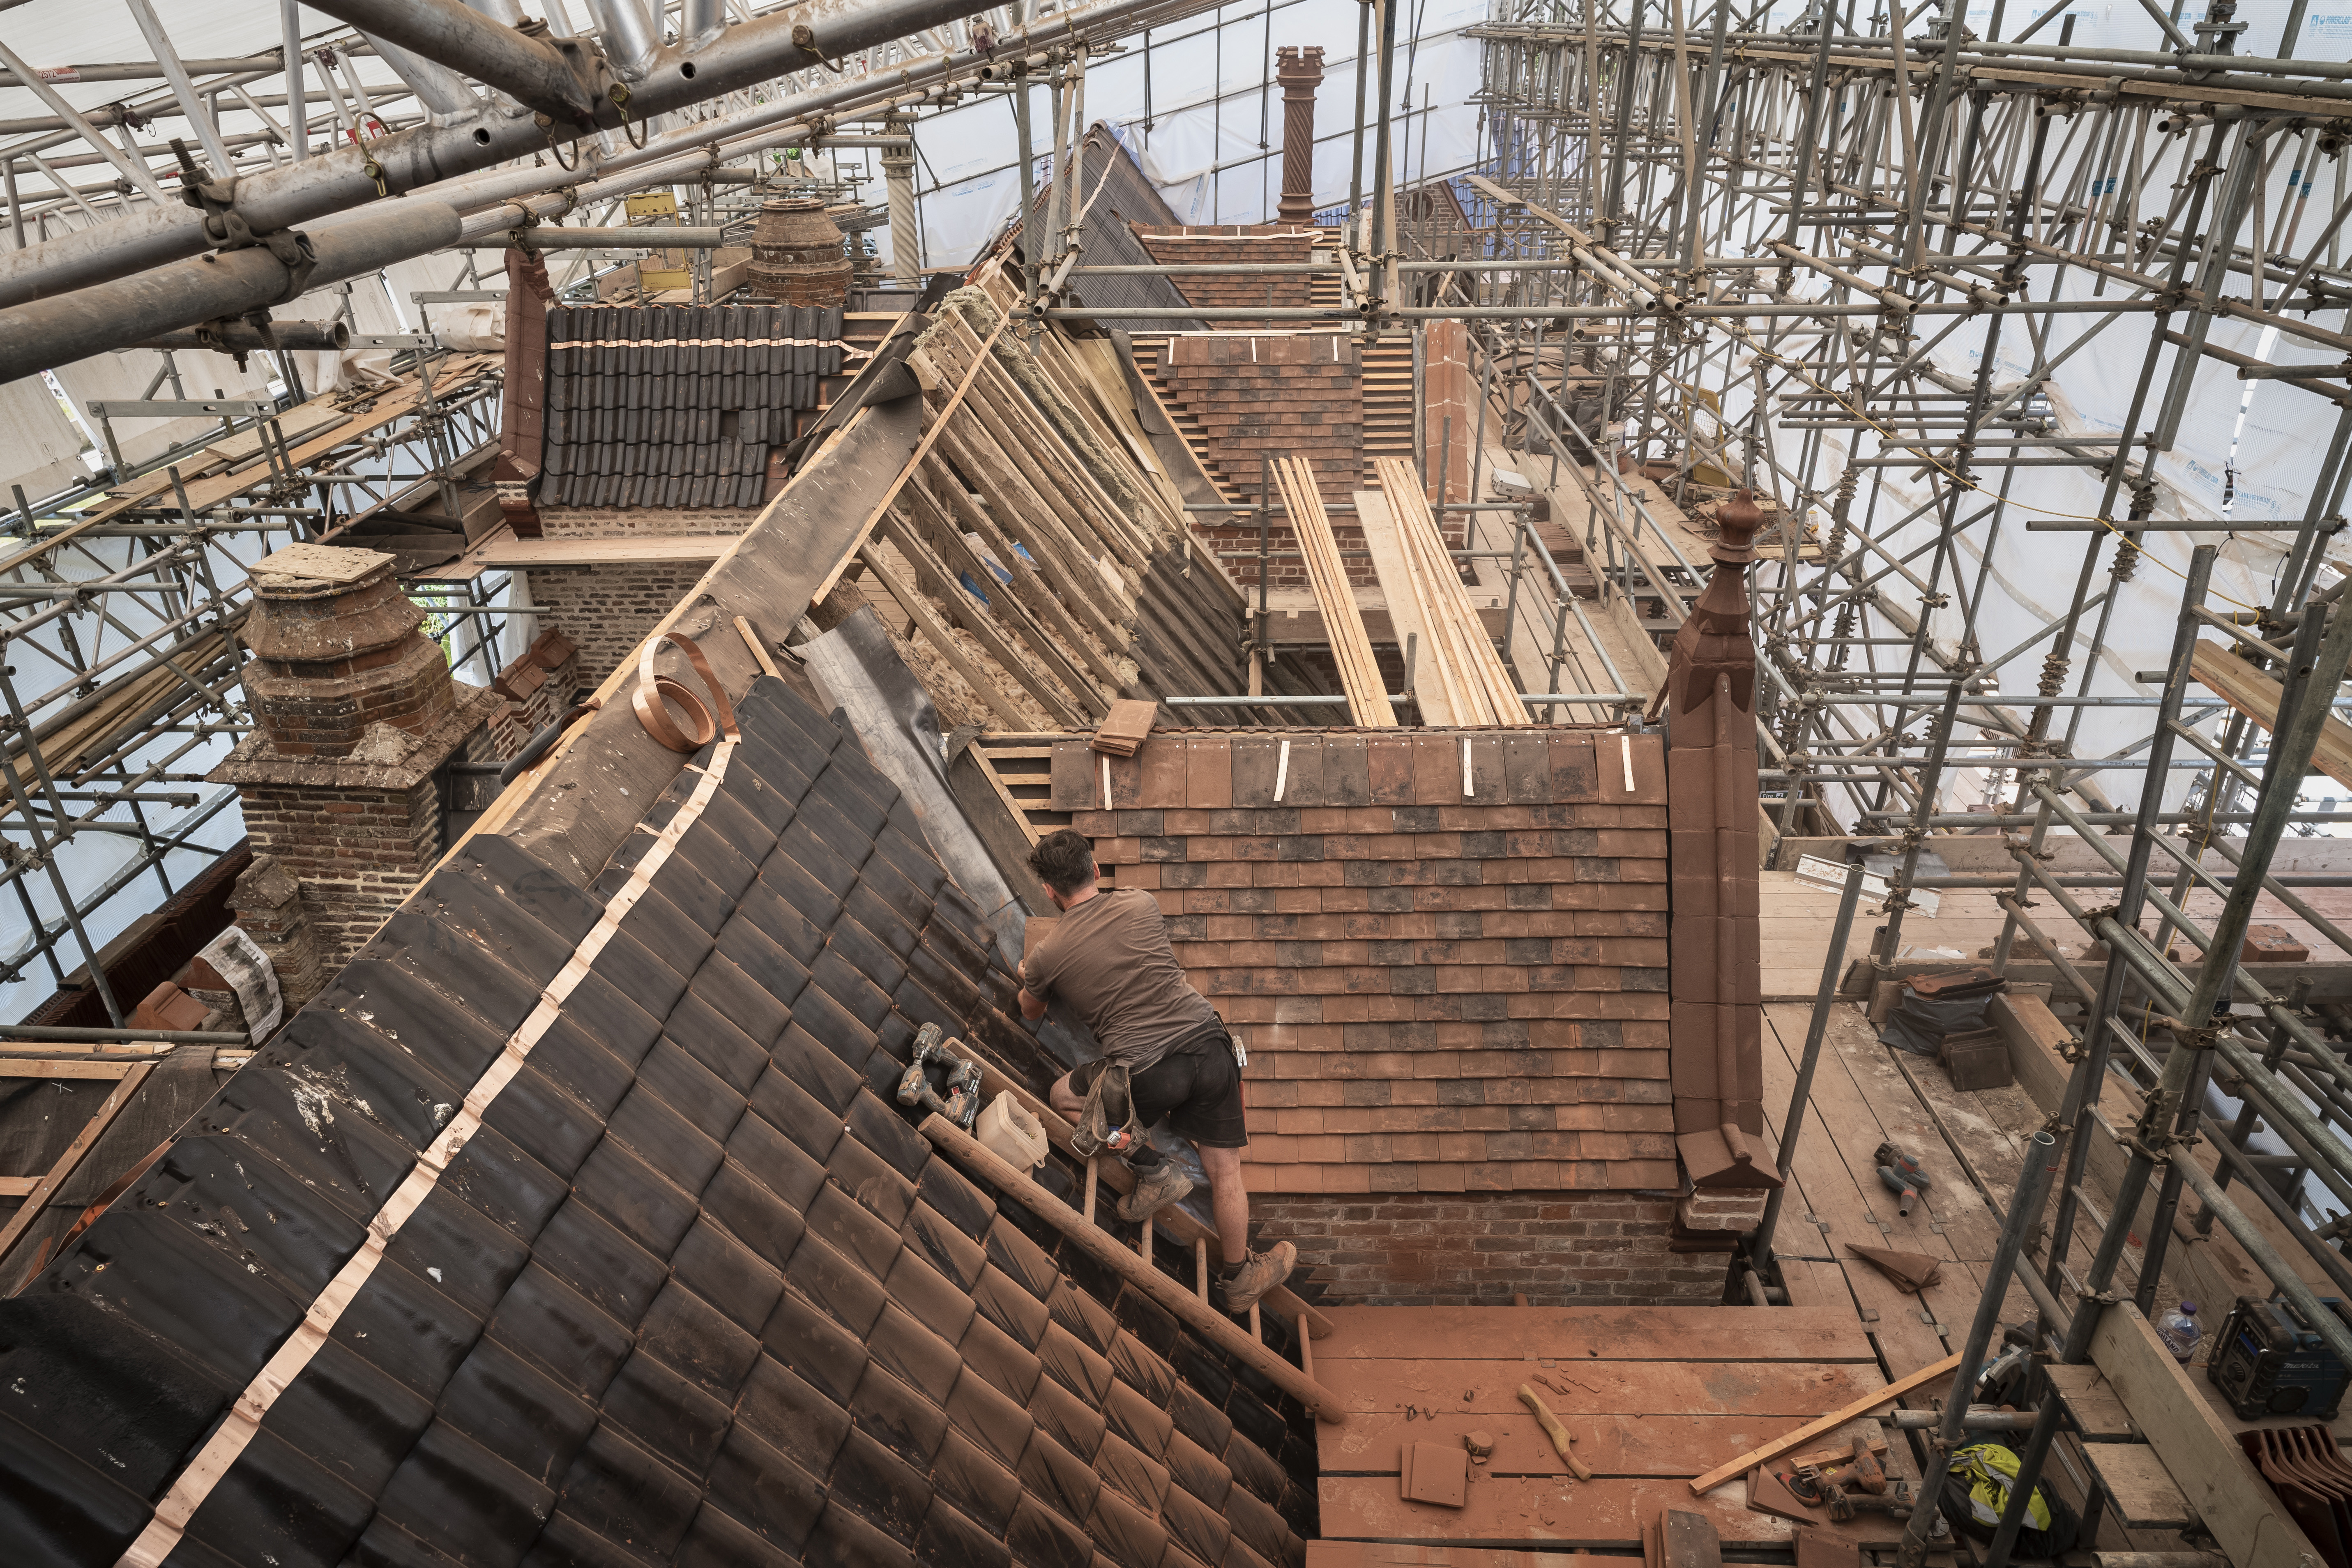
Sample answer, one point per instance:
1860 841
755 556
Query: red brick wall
606 611
1237 245
357 852
1424 1249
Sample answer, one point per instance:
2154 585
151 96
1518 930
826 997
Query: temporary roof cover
694 1291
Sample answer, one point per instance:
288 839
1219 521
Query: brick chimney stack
354 716
1301 72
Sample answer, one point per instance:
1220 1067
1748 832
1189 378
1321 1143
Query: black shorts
1197 1086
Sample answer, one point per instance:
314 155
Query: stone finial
337 648
1735 521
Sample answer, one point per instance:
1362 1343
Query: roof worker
1110 960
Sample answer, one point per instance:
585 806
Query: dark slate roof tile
1152 1324
795 724
929 1235
1132 1416
595 1257
530 885
725 988
719 862
1005 1304
834 1025
781 1167
1134 1473
933 1299
544 1120
1256 1423
783 1410
470 903
886 1131
749 1207
655 1405
1066 1418
465 974
679 1076
593 1066
407 1327
1127 1534
983 1488
777 972
878 1486
447 1241
845 1540
146 1266
566 1543
826 865
1261 1529
504 1184
817 1069
723 1271
726 816
56 1512
276 1504
1253 1467
622 1492
1076 1367
335 1151
886 896
453 1493
900 932
806 1338
1041 1536
696 1340
870 1239
919 1002
513 1407
765 781
667 916
999 1425
780 919
1084 1316
867 1177
1196 1470
1029 1264
858 789
842 980
1135 1364
841 818
866 954
997 1356
628 979
1058 1478
648 1208
908 1423
127 1405
1195 1524
960 1201
911 1349
1203 1371
782 1100
951 1540
1198 1419
718 1540
648 1126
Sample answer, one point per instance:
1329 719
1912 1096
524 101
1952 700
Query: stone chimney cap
302 571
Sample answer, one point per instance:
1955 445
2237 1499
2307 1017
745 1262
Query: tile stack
1126 728
677 405
1446 951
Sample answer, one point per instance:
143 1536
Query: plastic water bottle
2179 1332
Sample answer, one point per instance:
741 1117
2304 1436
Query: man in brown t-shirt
1109 959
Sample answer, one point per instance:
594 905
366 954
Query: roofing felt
694 1292
1447 951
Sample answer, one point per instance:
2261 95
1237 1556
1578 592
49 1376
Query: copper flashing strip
243 1421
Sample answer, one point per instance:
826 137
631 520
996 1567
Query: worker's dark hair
1063 862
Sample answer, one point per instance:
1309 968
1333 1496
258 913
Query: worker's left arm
1032 1004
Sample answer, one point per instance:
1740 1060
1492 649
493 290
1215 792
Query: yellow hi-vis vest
1991 1471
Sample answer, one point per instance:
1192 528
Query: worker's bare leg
1064 1099
1229 1200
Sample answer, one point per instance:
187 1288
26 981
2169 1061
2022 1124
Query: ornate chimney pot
1301 72
338 649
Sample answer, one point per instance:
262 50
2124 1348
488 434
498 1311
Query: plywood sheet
1780 1389
1580 1333
1609 1445
1601 1512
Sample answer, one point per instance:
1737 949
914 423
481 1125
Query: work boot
1155 1188
1259 1272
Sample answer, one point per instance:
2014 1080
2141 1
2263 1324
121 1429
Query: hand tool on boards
1863 1473
1903 1176
1555 1431
1844 1505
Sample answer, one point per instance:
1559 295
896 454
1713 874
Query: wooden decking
1651 1396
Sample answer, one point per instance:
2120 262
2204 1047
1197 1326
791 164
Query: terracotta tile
1302 781
1163 772
1575 775
1437 768
1488 785
1347 772
1125 781
1487 1176
1389 763
1075 785
1353 1177
1144 875
1439 1178
1535 1176
1255 758
1171 903
1208 772
1396 1178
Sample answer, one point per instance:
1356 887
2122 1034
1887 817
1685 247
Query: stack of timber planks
1477 686
1351 644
